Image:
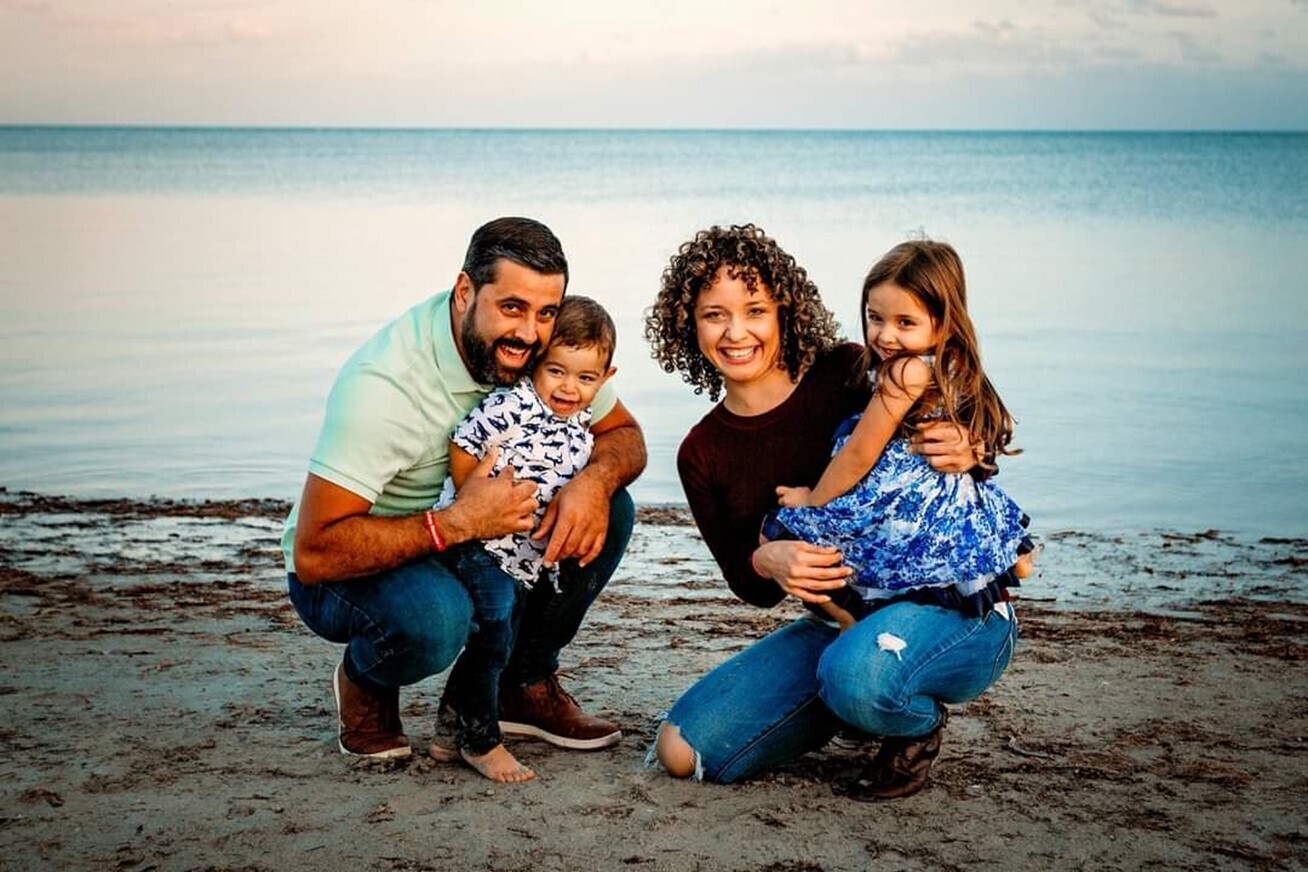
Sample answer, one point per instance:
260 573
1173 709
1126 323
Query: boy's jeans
472 689
405 624
788 693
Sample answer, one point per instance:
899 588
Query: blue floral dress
906 526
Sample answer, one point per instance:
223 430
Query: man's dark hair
583 323
524 241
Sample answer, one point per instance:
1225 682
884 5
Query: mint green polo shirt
386 432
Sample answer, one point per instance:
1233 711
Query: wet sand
167 710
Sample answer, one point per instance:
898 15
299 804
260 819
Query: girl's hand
791 497
802 570
946 446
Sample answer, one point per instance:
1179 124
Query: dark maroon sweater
731 465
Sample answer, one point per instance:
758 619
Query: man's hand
576 521
338 538
793 497
802 570
487 506
947 446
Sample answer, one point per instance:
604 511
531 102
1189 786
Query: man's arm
577 519
336 539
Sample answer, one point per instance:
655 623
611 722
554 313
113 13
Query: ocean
174 303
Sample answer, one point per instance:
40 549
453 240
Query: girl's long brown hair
933 273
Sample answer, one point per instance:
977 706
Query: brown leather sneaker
547 711
369 724
900 767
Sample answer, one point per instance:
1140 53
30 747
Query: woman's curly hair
806 326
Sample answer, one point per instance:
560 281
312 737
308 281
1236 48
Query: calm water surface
175 303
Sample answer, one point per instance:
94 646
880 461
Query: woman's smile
735 355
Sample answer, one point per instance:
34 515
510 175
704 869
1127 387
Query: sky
864 64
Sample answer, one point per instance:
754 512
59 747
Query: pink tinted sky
1048 64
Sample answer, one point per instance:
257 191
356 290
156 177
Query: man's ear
613 370
463 293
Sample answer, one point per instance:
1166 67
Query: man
365 553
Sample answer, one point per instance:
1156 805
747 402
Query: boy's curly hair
806 326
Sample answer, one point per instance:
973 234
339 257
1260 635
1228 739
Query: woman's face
738 331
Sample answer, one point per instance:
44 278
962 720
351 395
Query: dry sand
166 710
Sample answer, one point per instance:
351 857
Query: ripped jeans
788 693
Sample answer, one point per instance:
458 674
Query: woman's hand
792 497
802 570
947 446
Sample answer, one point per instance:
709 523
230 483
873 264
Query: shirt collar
526 388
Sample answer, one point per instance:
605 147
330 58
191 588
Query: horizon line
290 128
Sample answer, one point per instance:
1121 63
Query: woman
737 317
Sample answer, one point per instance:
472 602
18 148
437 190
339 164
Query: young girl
898 523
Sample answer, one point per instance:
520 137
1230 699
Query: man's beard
483 365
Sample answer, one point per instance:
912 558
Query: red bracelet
429 521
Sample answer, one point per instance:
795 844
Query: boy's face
567 378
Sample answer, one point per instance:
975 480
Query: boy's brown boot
369 722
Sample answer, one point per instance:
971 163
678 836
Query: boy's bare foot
1025 565
498 764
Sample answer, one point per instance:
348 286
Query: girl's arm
897 390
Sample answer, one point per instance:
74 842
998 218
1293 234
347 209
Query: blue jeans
473 689
408 623
788 693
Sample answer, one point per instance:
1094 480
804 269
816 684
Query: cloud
202 60
30 7
1172 8
215 27
997 29
1105 20
202 34
104 28
1117 53
999 44
242 30
1194 51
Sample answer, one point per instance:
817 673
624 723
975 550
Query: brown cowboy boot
900 767
369 724
546 711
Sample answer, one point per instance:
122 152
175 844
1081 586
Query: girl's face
738 331
895 322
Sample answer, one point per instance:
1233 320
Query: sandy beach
167 710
